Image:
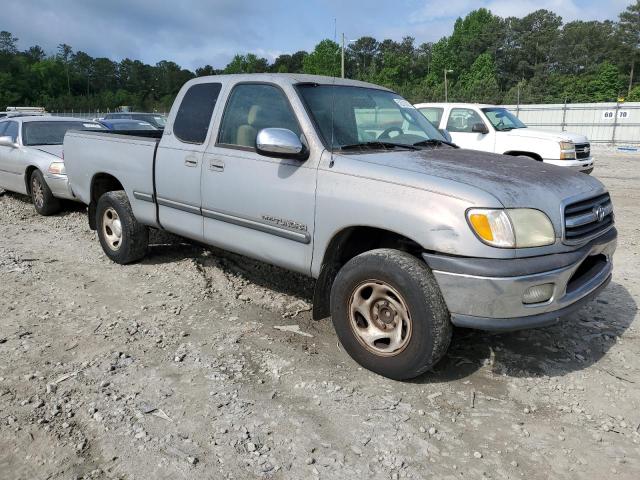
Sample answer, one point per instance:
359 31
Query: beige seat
246 134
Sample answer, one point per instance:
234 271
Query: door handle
216 165
191 162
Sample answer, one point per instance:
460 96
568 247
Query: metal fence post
564 115
615 124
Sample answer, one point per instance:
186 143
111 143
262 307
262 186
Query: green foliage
494 60
324 60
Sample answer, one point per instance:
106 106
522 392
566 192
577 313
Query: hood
51 149
547 135
514 181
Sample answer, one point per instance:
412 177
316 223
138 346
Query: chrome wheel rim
38 193
112 228
380 318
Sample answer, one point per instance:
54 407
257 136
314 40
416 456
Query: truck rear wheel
43 200
389 314
122 237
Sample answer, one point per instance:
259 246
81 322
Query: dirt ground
175 368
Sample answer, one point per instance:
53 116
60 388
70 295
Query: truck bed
125 157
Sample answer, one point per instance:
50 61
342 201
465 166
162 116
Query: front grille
587 219
583 150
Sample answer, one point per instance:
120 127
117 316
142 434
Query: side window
462 120
11 130
433 114
3 127
194 114
252 107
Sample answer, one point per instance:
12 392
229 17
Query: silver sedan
31 158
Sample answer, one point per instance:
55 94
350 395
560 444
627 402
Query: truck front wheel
122 238
389 314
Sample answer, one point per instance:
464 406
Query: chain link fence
615 124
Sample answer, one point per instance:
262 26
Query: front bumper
487 293
59 186
581 164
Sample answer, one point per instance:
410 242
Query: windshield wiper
377 144
434 141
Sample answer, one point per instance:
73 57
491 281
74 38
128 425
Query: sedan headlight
512 228
567 151
57 168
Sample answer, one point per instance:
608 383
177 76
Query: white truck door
464 124
179 161
258 206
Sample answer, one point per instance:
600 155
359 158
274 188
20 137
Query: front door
179 162
12 165
460 125
258 206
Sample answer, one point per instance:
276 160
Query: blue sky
198 32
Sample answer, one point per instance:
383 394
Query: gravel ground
176 368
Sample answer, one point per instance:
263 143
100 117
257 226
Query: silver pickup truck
348 183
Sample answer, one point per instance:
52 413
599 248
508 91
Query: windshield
51 133
132 125
350 116
502 119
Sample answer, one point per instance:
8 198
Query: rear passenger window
194 115
433 114
11 131
251 108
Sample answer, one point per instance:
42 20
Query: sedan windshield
502 119
52 132
353 118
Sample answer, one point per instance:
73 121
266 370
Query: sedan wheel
37 191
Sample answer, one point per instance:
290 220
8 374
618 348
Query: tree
64 54
204 71
629 27
324 60
249 63
479 84
8 43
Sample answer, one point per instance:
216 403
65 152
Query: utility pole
342 55
446 92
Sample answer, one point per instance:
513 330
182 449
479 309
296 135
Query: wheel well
101 184
27 177
514 153
347 244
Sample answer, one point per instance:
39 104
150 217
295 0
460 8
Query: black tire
43 200
429 319
133 241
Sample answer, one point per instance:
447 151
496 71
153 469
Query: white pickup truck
490 128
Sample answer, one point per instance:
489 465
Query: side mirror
281 143
445 133
480 128
7 141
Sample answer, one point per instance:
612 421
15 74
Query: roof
47 118
286 78
453 105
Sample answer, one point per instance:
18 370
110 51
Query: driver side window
462 120
252 107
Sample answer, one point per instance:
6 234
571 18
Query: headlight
57 168
567 151
513 228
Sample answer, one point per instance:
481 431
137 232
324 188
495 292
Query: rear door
259 206
460 122
179 161
12 164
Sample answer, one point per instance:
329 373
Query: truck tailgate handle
191 161
216 164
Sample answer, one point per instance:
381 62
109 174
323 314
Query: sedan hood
51 149
514 181
534 133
